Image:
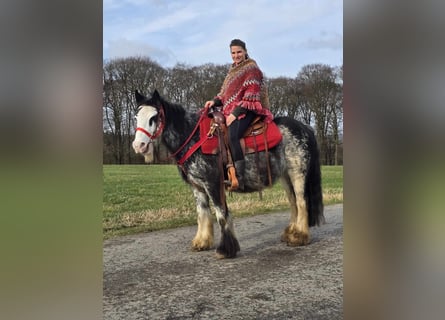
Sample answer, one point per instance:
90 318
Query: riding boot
240 167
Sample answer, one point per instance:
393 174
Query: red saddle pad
273 136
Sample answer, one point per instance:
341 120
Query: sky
281 35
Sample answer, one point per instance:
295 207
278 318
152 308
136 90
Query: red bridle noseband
161 125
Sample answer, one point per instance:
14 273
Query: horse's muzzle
142 147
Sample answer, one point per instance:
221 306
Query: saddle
259 136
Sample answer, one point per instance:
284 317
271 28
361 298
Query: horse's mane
174 108
182 118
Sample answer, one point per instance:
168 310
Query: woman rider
243 95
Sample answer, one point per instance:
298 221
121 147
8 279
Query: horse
294 161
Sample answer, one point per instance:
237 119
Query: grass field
138 198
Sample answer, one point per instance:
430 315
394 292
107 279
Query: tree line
314 96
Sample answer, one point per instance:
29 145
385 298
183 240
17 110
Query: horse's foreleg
204 236
297 233
228 245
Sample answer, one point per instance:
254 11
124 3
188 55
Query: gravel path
155 275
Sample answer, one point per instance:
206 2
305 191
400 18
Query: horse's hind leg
297 233
204 236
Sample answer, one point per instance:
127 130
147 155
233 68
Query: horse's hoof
201 245
297 239
284 237
219 256
227 253
197 249
200 248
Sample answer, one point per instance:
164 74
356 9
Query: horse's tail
313 187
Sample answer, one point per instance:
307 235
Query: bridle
161 125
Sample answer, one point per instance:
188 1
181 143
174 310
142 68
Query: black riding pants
236 132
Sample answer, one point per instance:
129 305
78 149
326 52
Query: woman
243 95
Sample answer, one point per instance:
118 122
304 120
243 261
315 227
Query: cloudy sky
281 35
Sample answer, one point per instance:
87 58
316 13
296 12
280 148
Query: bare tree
121 77
193 86
286 98
337 115
321 93
208 79
276 87
314 97
113 113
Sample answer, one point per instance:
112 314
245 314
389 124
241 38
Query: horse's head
150 122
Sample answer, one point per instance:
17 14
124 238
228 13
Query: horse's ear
139 97
155 96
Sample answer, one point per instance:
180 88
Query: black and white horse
295 161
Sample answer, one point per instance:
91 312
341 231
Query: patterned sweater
244 86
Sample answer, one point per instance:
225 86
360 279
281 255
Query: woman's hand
209 104
230 118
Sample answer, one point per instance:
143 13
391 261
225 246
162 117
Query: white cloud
324 41
121 48
161 24
283 35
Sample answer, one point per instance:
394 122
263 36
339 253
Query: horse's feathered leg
294 181
297 232
228 245
204 236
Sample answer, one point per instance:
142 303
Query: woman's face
238 54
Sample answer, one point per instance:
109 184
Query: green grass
140 198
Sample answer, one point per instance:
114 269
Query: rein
196 146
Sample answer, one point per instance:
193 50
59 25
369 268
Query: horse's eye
153 119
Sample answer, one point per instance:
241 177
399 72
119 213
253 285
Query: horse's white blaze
142 143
